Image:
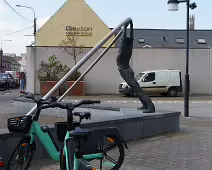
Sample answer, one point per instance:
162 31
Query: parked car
164 82
15 75
7 81
2 165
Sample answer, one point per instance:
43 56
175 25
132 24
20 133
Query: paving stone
189 149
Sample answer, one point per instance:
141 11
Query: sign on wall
78 31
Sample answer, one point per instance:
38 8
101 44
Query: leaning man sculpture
126 72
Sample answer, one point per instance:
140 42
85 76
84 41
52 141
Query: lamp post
34 32
1 53
173 6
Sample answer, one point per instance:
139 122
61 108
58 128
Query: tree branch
71 43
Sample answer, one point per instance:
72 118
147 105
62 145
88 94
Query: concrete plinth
132 124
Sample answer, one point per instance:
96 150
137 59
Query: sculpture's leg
128 76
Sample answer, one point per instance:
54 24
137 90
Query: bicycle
67 132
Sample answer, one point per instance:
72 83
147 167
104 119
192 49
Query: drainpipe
209 53
35 78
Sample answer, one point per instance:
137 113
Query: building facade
153 49
104 77
22 61
10 64
74 18
6 64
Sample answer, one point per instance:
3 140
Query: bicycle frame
76 161
51 146
45 139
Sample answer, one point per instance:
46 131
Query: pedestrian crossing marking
154 101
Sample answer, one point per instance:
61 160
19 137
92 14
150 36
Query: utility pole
35 19
35 30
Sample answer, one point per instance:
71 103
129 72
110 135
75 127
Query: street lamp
173 6
34 32
3 42
1 53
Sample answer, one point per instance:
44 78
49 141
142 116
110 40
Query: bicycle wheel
110 143
21 156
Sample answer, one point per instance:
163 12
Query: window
201 41
180 41
3 76
149 77
138 77
141 40
147 46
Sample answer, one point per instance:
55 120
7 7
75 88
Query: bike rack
124 23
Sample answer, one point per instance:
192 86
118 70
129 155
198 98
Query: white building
22 60
166 50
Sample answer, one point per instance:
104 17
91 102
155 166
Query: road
199 105
7 96
6 101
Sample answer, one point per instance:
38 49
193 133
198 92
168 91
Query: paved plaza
188 149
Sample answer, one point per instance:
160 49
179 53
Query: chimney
192 22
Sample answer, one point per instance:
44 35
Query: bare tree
70 46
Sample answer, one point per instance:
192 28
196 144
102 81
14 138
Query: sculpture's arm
131 30
125 50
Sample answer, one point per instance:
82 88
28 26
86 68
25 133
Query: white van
164 82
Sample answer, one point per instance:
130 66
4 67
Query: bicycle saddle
79 133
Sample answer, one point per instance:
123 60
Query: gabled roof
10 59
18 58
74 17
167 38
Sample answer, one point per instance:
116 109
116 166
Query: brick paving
188 149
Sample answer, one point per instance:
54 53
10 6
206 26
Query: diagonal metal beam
83 60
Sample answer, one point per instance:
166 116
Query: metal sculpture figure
126 72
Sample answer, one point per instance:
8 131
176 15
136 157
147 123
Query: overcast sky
145 14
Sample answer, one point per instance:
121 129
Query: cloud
8 27
41 21
19 40
3 8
